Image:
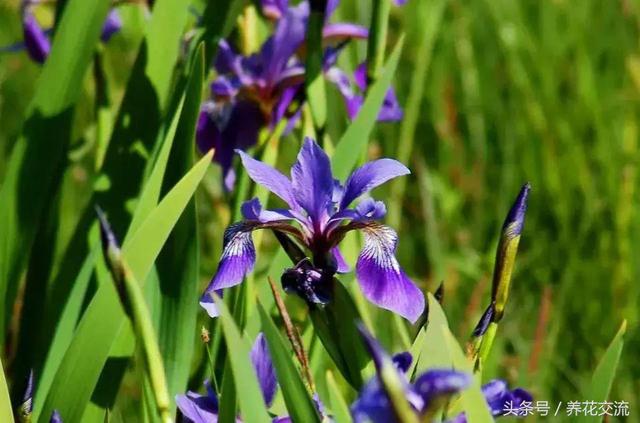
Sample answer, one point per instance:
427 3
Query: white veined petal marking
380 246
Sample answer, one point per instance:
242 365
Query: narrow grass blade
296 396
356 137
314 77
83 362
65 328
178 263
430 345
339 406
471 399
377 38
6 415
252 407
602 380
335 325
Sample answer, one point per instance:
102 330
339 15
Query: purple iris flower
199 408
373 404
37 42
320 206
354 97
260 90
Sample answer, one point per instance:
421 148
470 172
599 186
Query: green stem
377 39
314 78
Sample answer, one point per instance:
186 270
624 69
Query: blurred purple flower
260 90
204 408
320 206
390 110
37 42
55 417
374 405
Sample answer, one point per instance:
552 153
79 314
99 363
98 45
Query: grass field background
496 93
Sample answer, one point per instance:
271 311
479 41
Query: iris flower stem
135 307
314 78
485 345
377 39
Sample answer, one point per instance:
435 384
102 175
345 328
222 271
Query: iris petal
238 256
36 41
263 366
382 280
312 180
198 408
270 178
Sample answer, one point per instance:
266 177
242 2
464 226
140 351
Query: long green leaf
472 399
252 407
138 126
6 415
64 330
33 177
81 366
335 325
440 349
602 380
338 404
356 137
296 396
178 263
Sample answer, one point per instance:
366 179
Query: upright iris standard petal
269 177
312 180
382 280
370 176
35 40
289 35
263 366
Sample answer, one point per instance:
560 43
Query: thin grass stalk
314 78
377 39
294 336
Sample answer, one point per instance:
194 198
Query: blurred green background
496 93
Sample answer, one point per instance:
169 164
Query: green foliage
5 402
299 404
252 407
600 387
495 93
